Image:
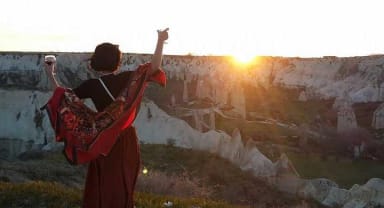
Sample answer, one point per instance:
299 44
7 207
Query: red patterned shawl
88 134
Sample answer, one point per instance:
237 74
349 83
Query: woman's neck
104 73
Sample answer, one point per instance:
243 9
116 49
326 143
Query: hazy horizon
292 28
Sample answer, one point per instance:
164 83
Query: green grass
279 103
262 131
345 172
157 201
48 194
38 194
213 169
226 184
228 181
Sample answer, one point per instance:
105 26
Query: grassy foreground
50 194
187 178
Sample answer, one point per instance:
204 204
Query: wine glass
50 59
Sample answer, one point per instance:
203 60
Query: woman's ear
117 70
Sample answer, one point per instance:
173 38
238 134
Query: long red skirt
111 180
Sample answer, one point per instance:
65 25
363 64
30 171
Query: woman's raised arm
50 69
162 36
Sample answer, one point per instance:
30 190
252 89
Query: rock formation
23 90
378 118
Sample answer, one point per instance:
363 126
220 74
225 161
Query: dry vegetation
185 177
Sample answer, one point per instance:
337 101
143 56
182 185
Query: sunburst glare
243 60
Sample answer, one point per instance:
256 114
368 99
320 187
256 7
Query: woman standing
111 177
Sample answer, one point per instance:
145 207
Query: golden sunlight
244 58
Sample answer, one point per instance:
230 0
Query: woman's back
94 89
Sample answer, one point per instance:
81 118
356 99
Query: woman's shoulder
123 74
85 88
116 79
89 81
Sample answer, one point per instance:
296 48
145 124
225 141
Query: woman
111 177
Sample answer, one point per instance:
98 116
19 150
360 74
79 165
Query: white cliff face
361 77
315 73
21 117
22 125
327 192
20 62
371 193
331 77
161 128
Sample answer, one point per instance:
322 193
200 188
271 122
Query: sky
291 28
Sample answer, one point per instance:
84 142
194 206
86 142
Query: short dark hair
106 57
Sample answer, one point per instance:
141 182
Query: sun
243 59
